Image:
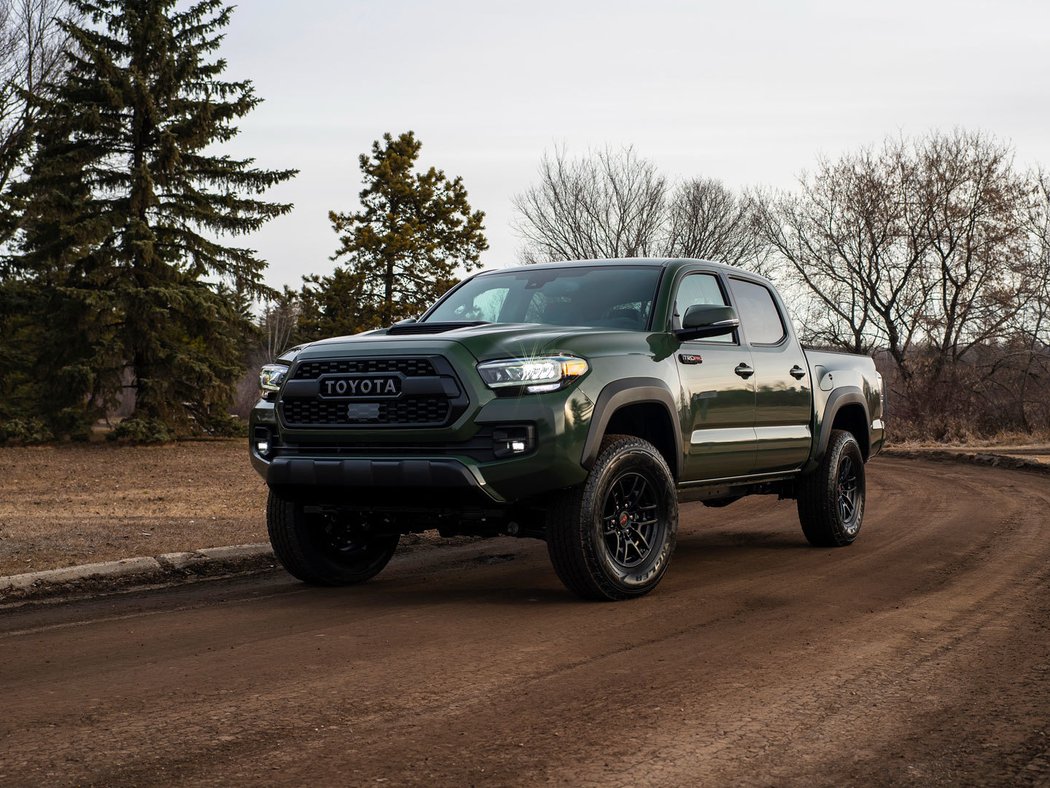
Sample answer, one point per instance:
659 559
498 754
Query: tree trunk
388 293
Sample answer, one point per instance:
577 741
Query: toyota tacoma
576 402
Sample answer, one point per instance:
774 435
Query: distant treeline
121 290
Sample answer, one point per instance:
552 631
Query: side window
701 289
758 312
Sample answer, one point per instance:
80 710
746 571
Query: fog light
513 440
262 440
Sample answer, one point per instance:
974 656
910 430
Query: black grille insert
410 367
412 411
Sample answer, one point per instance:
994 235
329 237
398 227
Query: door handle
797 372
744 370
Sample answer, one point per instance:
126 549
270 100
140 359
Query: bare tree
929 250
609 204
914 242
278 322
32 45
848 240
615 204
978 254
1032 329
275 330
708 221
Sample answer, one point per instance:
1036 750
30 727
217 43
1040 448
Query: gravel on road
918 656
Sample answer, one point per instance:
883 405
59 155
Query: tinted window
701 289
610 296
758 312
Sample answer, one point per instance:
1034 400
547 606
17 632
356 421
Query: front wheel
613 537
326 549
831 498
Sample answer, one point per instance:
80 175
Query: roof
661 262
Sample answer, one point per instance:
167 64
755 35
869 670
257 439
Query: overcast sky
748 92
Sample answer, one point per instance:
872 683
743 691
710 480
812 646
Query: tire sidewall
638 457
298 545
845 446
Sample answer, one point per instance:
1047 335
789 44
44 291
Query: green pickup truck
575 402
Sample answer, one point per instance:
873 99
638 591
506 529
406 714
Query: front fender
629 391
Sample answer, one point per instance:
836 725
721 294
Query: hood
484 341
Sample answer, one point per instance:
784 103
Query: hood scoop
430 328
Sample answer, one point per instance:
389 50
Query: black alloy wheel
329 549
831 498
848 495
612 538
630 520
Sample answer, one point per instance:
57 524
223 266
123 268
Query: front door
718 390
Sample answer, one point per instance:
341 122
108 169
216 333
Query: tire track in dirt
918 656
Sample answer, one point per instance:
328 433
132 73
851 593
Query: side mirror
707 320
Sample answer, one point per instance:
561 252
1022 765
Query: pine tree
334 305
413 234
123 203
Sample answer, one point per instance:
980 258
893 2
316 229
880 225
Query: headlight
535 375
272 376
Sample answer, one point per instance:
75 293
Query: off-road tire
584 542
303 546
820 494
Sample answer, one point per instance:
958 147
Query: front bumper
411 468
379 478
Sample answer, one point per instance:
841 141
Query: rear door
718 390
783 393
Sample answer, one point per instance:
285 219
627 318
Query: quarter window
758 312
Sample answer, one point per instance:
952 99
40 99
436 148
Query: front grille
410 367
408 410
422 411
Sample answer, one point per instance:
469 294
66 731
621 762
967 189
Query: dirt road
921 655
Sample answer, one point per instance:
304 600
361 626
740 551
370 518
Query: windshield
611 296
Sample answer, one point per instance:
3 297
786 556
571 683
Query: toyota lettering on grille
348 386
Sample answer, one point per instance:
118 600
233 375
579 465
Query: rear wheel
326 549
613 537
831 498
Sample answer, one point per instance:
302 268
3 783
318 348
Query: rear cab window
759 314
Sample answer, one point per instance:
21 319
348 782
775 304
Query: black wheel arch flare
837 400
626 392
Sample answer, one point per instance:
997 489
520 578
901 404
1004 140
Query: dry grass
1003 441
75 504
64 505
